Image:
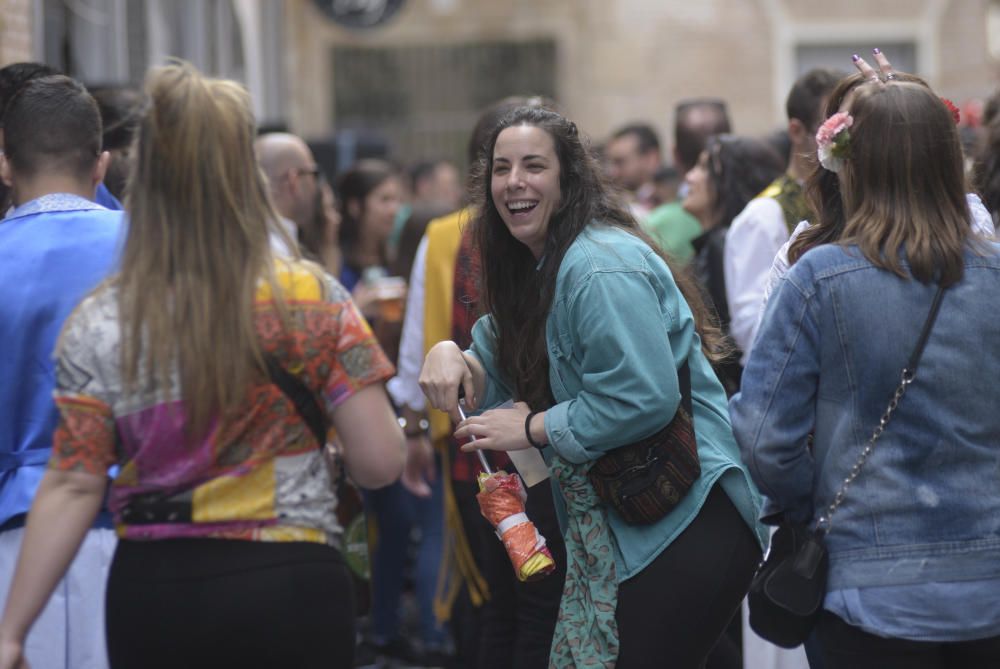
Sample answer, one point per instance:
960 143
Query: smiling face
525 183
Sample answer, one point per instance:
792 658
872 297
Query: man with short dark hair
695 120
120 108
55 246
12 78
764 225
633 156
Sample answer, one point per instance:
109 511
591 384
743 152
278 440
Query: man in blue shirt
12 78
55 246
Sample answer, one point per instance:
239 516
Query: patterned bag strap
909 373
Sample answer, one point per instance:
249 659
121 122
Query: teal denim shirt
613 375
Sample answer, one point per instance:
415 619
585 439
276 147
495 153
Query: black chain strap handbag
787 592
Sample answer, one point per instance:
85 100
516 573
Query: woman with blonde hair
194 369
879 344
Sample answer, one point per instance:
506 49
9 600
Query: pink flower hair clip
833 140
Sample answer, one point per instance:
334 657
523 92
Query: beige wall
625 60
15 31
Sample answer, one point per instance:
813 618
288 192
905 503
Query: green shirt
673 229
618 331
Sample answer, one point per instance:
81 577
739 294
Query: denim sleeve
484 348
775 410
629 387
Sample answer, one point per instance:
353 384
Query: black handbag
644 480
787 592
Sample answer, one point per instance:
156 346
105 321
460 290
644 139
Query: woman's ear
5 171
100 168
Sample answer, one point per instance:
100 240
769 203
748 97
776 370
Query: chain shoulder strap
909 373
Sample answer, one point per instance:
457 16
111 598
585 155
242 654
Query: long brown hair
516 295
902 186
198 243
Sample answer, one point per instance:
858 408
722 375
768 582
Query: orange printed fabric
81 440
258 475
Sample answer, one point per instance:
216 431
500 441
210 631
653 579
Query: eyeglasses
302 171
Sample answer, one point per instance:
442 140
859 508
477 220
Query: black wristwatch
423 425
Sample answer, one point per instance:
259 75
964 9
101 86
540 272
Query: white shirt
404 387
278 245
753 240
982 224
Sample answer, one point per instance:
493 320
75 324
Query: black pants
849 647
520 618
672 612
215 603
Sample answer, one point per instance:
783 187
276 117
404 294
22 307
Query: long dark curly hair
517 295
738 169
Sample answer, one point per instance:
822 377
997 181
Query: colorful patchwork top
259 476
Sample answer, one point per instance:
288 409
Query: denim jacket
617 333
829 354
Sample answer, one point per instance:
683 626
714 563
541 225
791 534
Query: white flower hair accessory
833 141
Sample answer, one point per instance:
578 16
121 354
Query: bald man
293 176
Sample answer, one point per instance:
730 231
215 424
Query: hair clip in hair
955 113
833 141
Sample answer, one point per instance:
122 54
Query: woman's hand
445 370
12 654
885 71
419 471
496 430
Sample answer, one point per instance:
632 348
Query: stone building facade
16 25
623 60
421 78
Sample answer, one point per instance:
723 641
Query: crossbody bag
787 592
643 481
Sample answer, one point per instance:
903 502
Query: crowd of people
247 404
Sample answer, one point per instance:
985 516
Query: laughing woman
590 331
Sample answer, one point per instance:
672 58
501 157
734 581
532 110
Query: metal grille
424 100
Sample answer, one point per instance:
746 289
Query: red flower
955 114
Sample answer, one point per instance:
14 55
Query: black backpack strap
305 402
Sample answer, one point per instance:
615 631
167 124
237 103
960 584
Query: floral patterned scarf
586 632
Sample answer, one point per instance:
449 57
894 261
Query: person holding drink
369 194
